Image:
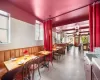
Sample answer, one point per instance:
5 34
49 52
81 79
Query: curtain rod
71 10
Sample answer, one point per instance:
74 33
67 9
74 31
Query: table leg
46 64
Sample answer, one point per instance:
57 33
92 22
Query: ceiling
43 9
70 29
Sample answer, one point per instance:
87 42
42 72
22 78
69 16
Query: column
91 26
48 36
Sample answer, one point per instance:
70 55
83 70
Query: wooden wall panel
1 56
7 55
21 52
17 52
13 55
30 50
33 52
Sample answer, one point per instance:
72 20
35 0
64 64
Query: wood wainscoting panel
7 55
1 56
13 55
36 50
33 50
30 50
17 52
21 52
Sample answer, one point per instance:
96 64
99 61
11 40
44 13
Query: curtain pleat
48 36
91 26
94 25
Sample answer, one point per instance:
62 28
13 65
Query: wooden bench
14 53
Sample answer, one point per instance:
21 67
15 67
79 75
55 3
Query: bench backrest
14 53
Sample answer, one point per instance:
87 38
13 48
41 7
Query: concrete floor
69 67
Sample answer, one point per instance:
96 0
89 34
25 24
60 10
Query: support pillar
48 36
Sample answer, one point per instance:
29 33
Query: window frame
8 29
39 31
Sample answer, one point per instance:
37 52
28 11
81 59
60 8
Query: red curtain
97 25
94 21
48 36
94 24
91 26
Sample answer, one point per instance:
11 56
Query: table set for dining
14 64
17 62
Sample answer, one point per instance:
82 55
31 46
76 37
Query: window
39 31
58 37
4 27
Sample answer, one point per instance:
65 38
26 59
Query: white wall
22 35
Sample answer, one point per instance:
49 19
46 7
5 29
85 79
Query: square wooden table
45 52
13 64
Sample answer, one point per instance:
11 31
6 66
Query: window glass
4 27
3 22
39 33
3 36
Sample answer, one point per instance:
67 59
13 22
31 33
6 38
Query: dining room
21 47
48 39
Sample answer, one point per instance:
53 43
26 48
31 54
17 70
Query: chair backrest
24 73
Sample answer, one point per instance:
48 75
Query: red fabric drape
97 25
48 36
91 26
94 24
94 21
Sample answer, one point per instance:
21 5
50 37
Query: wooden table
59 47
13 64
56 48
45 52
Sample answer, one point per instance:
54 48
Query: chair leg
39 71
52 63
59 57
32 76
48 64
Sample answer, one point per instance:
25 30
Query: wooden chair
62 51
57 54
36 64
26 72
